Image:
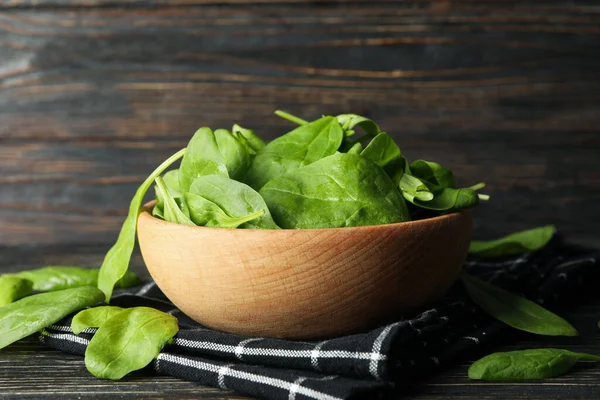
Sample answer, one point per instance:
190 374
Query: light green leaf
13 288
254 142
235 154
31 314
526 364
116 261
300 147
93 318
206 213
382 150
516 243
52 278
514 310
234 198
202 157
434 175
336 191
129 341
171 210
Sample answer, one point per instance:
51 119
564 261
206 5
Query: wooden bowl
306 283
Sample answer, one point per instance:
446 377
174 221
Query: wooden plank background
94 94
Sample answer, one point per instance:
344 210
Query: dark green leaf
300 147
514 310
13 288
31 314
516 243
336 191
202 157
93 317
129 341
49 279
116 261
526 364
234 198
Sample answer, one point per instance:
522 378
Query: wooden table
95 93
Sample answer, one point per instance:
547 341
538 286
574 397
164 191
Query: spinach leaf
526 364
433 174
171 180
235 153
234 198
514 310
382 150
30 314
336 191
300 147
49 279
357 148
248 136
516 243
116 261
349 121
171 210
202 157
449 199
13 288
206 213
129 341
413 189
93 317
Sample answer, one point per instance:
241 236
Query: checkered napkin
355 366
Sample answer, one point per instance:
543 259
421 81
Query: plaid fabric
362 365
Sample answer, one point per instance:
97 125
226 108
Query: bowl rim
147 208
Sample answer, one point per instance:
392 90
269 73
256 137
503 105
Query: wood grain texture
307 284
30 371
91 99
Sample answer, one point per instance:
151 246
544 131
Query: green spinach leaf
171 180
234 198
300 147
235 153
93 317
129 341
526 364
171 210
514 310
13 288
433 174
52 278
33 313
449 199
116 261
382 150
202 157
516 243
255 143
206 213
336 191
357 148
413 189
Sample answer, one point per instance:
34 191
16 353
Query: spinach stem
483 197
290 117
478 186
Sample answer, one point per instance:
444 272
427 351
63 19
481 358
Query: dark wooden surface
29 370
95 93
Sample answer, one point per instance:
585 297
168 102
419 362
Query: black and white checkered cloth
363 365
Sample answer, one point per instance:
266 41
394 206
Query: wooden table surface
95 93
